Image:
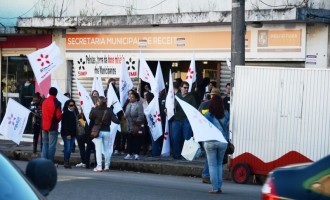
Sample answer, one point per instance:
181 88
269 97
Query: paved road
78 183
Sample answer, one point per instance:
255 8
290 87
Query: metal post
237 36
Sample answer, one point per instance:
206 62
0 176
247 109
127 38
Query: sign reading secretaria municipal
104 64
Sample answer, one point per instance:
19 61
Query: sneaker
97 169
80 165
116 152
136 157
128 157
106 169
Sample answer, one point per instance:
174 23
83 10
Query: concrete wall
317 41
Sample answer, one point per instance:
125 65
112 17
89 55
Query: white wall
317 46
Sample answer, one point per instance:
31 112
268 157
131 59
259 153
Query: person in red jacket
51 116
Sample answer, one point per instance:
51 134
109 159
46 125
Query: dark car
302 181
39 180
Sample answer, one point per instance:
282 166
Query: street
77 183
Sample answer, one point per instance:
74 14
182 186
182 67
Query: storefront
101 51
16 72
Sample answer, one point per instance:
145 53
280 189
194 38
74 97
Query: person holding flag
51 116
181 129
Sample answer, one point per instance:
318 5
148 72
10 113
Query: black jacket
97 114
69 124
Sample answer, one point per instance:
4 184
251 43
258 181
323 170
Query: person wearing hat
203 108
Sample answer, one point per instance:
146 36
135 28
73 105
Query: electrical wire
128 7
272 6
23 13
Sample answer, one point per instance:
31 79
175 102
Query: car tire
241 173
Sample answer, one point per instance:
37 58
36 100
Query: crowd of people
47 115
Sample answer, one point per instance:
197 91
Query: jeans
206 172
215 152
155 145
49 140
68 146
181 130
102 144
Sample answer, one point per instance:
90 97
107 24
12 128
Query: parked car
40 178
301 181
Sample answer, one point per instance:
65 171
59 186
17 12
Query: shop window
18 76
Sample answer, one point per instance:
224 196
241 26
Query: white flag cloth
86 101
60 96
45 61
169 102
228 63
146 74
97 85
113 132
14 121
191 74
166 142
202 128
112 99
153 117
125 83
160 85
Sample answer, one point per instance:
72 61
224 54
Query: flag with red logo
169 102
166 143
45 61
160 85
125 83
14 121
146 74
191 74
153 117
86 101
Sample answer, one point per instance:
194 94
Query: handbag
190 149
138 128
80 129
230 148
95 132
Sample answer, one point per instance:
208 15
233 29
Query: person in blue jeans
215 150
51 116
69 129
181 129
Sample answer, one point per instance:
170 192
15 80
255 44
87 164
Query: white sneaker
116 152
80 165
97 169
128 157
136 157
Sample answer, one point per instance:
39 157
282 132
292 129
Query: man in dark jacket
51 116
181 129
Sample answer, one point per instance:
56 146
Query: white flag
154 120
202 128
191 74
169 103
14 121
159 80
125 83
228 63
113 132
146 74
166 142
112 99
45 61
60 96
86 101
97 85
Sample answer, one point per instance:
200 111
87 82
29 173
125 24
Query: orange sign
276 38
177 40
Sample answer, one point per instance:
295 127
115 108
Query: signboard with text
104 64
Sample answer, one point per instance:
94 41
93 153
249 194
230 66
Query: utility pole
238 29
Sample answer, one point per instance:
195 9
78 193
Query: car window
12 184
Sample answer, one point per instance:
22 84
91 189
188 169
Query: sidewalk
156 165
